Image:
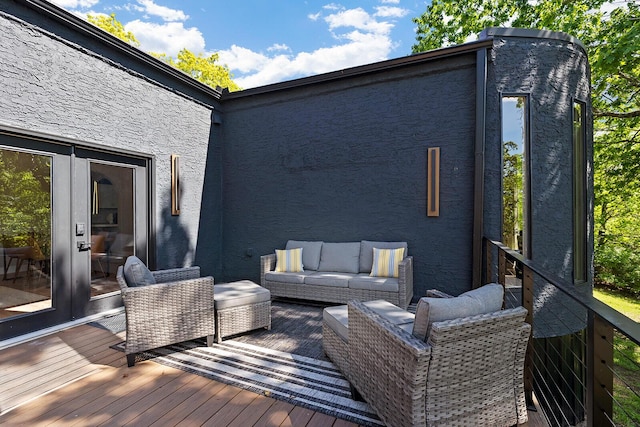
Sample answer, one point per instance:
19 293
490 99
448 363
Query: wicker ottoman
335 329
240 307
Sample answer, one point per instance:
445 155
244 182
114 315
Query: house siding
57 87
552 73
346 161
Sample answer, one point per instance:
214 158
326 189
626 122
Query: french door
69 216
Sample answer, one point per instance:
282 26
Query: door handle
84 246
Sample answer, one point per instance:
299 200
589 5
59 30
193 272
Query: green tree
612 39
202 68
114 27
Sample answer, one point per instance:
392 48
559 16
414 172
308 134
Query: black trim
478 196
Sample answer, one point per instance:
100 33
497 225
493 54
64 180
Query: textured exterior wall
346 161
552 73
54 86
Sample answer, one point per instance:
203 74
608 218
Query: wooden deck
74 378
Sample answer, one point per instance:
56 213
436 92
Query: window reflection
112 224
514 164
25 232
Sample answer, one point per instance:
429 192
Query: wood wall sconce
175 184
433 181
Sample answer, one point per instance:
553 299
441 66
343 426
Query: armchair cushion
136 273
486 299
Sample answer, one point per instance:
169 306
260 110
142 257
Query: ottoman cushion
235 294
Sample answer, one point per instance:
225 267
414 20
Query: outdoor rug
286 363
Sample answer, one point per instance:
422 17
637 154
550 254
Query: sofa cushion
298 278
386 261
289 260
366 252
136 273
337 280
236 294
310 252
486 299
364 281
340 257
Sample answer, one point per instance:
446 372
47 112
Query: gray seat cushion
136 273
366 252
364 281
236 294
340 257
337 280
310 252
485 299
287 277
337 318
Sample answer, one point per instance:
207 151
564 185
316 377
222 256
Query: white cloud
167 38
361 38
165 13
390 1
277 47
391 12
75 4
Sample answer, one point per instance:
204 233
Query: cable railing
583 361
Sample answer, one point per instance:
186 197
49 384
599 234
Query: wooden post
599 372
527 302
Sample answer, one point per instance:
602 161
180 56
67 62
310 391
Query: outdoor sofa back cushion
310 252
136 273
485 299
340 257
366 252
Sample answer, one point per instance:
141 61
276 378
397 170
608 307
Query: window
515 188
579 195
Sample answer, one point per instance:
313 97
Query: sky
265 42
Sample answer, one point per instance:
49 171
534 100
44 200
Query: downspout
478 193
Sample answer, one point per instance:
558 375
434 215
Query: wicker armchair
179 307
469 373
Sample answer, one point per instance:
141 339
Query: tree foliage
205 69
114 27
611 35
25 199
202 68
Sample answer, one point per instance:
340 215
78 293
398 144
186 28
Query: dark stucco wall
346 161
52 83
553 73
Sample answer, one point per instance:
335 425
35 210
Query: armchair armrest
267 264
388 366
176 274
405 282
166 313
434 293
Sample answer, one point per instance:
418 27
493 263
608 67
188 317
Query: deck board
73 378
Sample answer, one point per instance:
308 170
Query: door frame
64 153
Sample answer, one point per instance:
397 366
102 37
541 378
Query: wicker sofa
466 371
178 307
339 272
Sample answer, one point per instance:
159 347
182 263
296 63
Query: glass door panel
112 224
25 232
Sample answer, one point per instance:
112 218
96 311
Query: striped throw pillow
386 261
289 260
